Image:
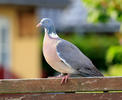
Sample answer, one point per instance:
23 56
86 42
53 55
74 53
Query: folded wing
74 58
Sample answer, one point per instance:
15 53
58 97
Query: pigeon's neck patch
53 35
51 32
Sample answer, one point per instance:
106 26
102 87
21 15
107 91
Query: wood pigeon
64 56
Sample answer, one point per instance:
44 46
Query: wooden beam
71 96
53 85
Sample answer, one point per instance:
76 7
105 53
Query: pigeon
64 56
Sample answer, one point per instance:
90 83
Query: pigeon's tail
95 72
91 72
99 74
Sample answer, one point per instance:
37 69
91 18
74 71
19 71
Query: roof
101 27
43 3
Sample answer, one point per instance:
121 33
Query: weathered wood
81 96
53 85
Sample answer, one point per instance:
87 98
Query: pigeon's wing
74 58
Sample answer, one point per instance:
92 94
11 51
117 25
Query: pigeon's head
46 23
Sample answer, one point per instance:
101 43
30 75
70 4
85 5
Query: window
27 26
4 44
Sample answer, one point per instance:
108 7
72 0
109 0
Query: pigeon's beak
38 24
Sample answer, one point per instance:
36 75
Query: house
74 19
19 38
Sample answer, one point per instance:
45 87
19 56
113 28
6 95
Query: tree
104 10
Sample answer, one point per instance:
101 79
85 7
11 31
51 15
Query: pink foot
64 79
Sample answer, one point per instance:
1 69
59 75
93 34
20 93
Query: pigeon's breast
50 54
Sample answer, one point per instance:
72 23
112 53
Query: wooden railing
51 89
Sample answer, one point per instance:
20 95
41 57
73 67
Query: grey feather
72 56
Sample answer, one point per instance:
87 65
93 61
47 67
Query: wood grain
44 85
71 96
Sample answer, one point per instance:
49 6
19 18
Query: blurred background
94 26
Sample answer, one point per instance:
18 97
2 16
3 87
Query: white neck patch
53 35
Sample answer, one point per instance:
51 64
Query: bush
114 55
114 70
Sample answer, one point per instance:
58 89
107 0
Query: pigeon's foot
64 79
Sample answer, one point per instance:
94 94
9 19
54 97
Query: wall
25 57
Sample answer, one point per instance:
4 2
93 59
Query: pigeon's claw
64 79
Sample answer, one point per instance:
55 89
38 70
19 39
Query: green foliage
93 46
115 70
114 55
103 10
114 60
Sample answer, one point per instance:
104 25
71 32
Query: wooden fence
51 89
